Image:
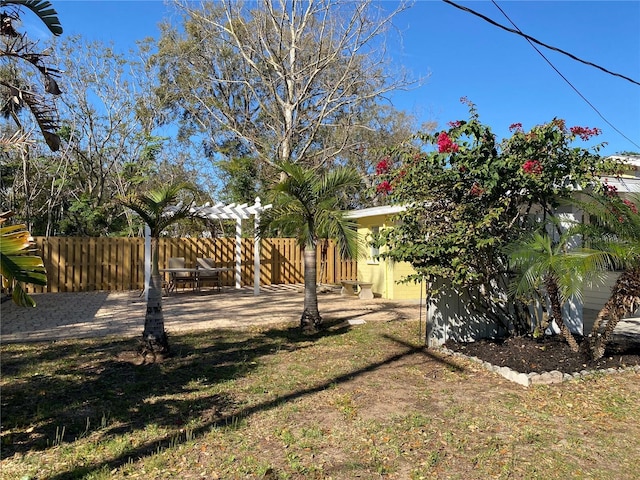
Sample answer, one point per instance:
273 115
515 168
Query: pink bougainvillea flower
610 190
384 187
515 127
632 206
532 167
445 144
585 133
383 166
476 190
454 123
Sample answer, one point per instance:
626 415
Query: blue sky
465 56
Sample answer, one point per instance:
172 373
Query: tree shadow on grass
108 397
63 391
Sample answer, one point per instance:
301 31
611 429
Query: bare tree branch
280 75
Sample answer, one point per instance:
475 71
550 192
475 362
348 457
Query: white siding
450 317
596 297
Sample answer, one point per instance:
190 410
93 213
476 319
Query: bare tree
290 79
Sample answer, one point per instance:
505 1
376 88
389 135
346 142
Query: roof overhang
375 211
631 160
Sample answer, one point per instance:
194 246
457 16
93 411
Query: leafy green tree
152 207
308 205
468 197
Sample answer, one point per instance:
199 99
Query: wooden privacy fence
77 264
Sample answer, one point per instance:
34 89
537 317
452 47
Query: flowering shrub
476 190
463 209
445 144
632 206
532 167
585 133
383 166
610 190
384 187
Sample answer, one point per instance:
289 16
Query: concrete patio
60 316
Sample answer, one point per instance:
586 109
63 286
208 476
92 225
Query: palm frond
18 265
339 180
43 9
308 205
20 140
45 115
157 208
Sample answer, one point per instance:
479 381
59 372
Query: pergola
233 211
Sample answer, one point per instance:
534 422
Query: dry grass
366 401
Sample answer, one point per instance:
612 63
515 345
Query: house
383 273
449 316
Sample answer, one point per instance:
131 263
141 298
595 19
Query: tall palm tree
555 270
308 204
17 264
153 208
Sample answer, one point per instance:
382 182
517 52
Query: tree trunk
624 300
311 319
154 337
556 309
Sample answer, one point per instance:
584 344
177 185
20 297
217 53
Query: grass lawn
366 401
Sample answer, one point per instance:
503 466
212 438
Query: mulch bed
526 354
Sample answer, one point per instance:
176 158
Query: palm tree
17 265
308 205
17 91
616 230
555 270
624 300
153 208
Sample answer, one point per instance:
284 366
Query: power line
563 77
534 40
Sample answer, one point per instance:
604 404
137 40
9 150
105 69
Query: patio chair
181 277
207 273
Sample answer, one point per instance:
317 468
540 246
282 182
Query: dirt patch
525 355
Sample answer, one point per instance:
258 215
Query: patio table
173 274
195 274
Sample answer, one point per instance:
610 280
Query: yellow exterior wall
383 273
403 291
